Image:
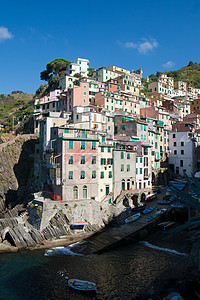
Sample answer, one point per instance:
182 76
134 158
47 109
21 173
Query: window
174 135
70 174
140 170
93 145
136 170
84 192
174 144
182 152
122 155
82 144
181 163
94 175
82 175
123 127
182 144
109 149
128 168
75 192
175 152
128 156
102 174
122 168
71 144
140 159
110 174
71 160
66 130
145 151
102 149
93 160
82 160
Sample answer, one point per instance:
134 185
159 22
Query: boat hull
132 218
82 285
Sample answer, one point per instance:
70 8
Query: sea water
119 274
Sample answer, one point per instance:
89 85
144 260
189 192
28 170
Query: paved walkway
111 236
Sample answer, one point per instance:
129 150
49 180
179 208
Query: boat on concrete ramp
81 285
132 218
148 210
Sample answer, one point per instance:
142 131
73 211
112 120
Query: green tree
91 70
190 63
54 68
78 75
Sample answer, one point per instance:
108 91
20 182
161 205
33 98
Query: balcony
80 136
37 111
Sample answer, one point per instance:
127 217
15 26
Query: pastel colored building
104 74
81 66
66 82
195 105
74 169
164 85
105 171
180 85
183 153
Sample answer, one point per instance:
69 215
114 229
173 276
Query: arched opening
84 192
126 202
75 192
135 199
128 184
123 185
153 178
143 197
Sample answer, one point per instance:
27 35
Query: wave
161 249
60 251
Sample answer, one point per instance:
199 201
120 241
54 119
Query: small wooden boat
81 285
164 202
150 218
151 197
138 208
178 205
161 211
148 210
132 218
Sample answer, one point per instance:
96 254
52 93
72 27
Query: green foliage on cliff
14 108
189 74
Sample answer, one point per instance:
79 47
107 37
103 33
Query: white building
66 82
104 74
81 66
183 153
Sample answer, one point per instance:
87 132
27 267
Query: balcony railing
77 135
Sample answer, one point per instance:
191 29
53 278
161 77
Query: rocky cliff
16 171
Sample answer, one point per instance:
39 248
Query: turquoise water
122 273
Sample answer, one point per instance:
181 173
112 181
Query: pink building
76 164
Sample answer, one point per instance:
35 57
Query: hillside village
102 135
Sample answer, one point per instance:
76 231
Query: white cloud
5 34
143 46
169 64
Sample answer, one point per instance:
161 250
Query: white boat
81 285
161 211
132 218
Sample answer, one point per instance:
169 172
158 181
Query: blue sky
152 35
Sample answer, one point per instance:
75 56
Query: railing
77 135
